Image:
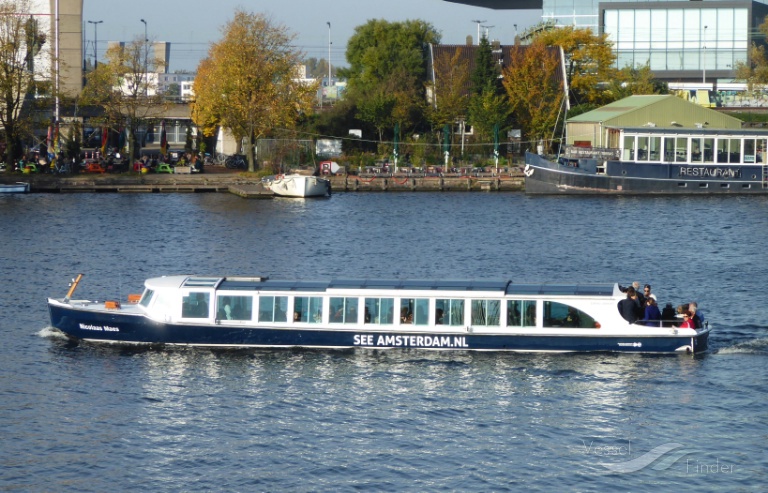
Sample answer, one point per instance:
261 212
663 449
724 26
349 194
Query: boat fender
330 192
528 171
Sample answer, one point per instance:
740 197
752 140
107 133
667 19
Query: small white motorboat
296 185
18 187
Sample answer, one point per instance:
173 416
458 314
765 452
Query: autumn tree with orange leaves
535 88
249 84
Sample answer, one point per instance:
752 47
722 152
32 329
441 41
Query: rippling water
90 418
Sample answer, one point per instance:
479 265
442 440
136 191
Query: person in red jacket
687 321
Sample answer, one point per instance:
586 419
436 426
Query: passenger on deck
405 316
640 296
696 315
647 292
652 316
668 315
629 307
687 321
572 319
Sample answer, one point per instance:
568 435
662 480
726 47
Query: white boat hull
14 188
300 186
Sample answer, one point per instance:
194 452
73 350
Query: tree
589 61
248 82
123 88
755 71
486 72
486 110
631 81
535 88
450 97
20 42
387 71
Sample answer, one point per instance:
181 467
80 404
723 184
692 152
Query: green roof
620 107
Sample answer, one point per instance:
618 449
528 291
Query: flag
163 139
104 139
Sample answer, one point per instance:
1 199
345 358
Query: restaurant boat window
195 305
308 309
449 312
521 313
486 312
379 310
562 315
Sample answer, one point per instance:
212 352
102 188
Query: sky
191 25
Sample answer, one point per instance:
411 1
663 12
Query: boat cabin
414 304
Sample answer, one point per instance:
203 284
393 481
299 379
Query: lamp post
146 56
478 29
704 60
95 42
329 54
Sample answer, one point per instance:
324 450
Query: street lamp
478 29
146 56
329 54
95 42
704 61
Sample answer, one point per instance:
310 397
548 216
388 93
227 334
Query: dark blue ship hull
590 176
121 328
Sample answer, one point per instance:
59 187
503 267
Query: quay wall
224 182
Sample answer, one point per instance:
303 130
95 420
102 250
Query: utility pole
95 42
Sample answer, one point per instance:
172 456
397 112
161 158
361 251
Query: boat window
760 147
517 307
642 148
681 149
414 311
696 154
147 297
734 154
486 312
344 310
722 150
449 312
308 309
749 151
234 307
561 315
709 146
629 148
654 149
669 149
379 310
195 305
273 308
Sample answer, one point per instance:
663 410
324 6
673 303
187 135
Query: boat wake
754 346
51 332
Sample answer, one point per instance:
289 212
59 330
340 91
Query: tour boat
651 160
18 187
298 186
473 315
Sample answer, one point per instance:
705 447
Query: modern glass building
686 41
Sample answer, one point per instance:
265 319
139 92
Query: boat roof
500 287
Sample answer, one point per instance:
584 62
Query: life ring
528 171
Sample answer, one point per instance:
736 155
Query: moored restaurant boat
650 160
493 315
18 187
296 185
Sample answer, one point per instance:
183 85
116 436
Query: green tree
534 84
125 90
387 71
20 42
247 83
486 72
631 81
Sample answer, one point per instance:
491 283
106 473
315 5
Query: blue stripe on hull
137 329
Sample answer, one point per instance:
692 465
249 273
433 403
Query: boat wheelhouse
492 315
648 160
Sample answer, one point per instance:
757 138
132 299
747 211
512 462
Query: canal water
79 417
